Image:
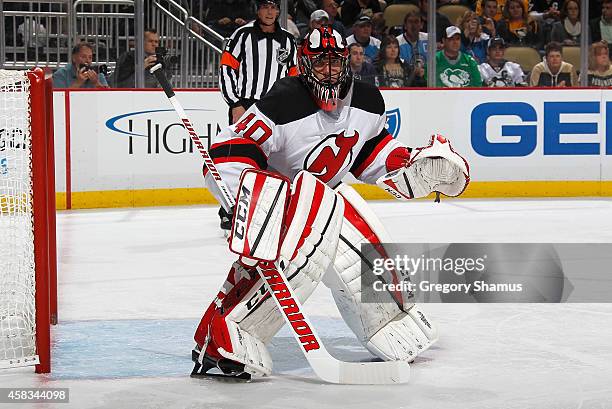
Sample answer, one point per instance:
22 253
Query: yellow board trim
194 196
481 190
142 198
60 200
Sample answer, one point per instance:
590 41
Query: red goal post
28 262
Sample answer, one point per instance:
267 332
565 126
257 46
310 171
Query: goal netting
17 281
18 275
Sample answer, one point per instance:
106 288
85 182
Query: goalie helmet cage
28 272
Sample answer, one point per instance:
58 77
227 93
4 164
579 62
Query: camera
100 69
419 61
161 54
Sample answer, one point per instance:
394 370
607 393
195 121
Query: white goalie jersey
287 132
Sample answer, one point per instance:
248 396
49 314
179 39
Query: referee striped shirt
253 60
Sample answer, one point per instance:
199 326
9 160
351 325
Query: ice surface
133 284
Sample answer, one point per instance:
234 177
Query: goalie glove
433 168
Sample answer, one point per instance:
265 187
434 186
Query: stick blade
374 373
332 370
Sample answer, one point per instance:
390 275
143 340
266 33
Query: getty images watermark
486 272
405 266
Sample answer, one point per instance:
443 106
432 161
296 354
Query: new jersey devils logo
333 154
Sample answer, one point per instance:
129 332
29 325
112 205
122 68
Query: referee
256 55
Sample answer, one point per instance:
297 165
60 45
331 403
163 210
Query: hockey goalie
308 132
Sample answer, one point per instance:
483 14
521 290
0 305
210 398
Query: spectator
546 10
442 22
79 73
466 3
595 8
485 7
361 69
413 42
601 27
124 76
497 71
318 18
353 9
33 34
488 16
546 13
568 30
600 71
553 71
302 11
392 71
517 28
362 34
292 27
226 16
473 40
490 8
455 69
331 8
379 26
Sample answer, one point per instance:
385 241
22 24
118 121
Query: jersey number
250 130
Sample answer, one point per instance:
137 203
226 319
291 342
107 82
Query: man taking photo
79 73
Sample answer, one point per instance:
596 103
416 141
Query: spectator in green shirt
455 69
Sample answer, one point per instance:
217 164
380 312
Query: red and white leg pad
220 337
243 317
259 215
389 325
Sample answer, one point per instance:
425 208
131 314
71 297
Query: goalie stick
321 361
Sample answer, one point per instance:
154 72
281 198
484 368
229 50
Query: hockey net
27 220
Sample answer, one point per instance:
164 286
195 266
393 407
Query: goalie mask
324 65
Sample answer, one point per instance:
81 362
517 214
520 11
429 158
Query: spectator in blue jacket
473 40
413 42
